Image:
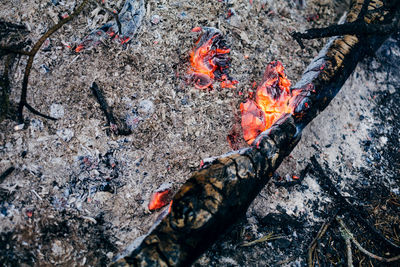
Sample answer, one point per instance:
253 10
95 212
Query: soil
79 195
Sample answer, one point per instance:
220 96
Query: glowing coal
209 60
272 100
161 197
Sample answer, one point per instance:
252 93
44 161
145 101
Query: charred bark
219 193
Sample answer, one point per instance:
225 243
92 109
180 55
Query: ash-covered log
214 197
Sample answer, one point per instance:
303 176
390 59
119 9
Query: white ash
57 111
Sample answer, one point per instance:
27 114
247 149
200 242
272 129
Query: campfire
94 179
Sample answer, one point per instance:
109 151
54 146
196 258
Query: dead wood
355 212
6 173
116 126
361 26
220 193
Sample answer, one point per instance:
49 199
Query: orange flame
159 199
273 97
209 60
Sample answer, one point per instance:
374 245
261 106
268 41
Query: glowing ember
272 100
209 60
160 199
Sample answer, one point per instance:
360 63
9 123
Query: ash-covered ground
78 196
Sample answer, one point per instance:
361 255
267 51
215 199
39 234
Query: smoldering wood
214 197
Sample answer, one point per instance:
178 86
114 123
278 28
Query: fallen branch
214 197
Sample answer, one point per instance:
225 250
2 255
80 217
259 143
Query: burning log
214 197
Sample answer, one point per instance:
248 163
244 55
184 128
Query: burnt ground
77 195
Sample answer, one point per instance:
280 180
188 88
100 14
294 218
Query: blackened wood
117 126
220 193
6 173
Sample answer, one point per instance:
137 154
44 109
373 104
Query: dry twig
320 234
32 53
349 235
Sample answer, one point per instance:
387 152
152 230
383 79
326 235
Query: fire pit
80 196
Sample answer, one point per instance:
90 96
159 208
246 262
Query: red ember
209 60
160 199
272 101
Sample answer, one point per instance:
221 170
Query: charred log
362 25
221 191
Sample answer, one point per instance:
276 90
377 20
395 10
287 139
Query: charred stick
214 197
5 89
23 100
6 173
14 51
358 22
98 93
115 126
354 28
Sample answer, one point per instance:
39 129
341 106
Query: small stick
354 212
4 175
23 101
115 127
363 250
352 28
320 234
98 93
5 88
15 51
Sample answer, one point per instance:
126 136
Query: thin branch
347 240
363 250
354 212
23 102
320 234
116 126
